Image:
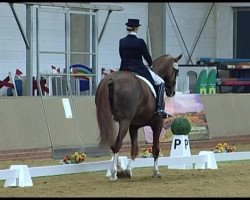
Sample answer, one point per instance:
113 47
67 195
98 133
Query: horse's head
167 68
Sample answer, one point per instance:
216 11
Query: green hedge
180 126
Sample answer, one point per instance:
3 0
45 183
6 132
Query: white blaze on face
175 65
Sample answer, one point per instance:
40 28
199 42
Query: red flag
18 72
43 85
5 82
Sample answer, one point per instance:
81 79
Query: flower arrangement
74 158
147 153
224 148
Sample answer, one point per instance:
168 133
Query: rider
131 50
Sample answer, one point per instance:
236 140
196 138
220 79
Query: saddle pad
149 84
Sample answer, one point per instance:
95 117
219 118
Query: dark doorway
242 33
242 42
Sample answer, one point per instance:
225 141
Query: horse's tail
104 101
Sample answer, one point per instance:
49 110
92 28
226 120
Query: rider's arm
145 53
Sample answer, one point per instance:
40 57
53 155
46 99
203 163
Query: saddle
148 83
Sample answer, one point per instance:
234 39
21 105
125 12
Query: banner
183 105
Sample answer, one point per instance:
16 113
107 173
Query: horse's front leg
156 173
155 148
133 132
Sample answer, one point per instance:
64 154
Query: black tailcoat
131 50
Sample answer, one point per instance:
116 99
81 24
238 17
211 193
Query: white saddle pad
149 84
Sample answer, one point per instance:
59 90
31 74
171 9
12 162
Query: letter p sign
180 146
177 142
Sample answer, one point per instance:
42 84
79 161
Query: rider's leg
160 88
160 103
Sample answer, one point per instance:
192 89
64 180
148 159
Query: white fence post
211 163
23 179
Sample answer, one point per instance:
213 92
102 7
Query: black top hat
133 23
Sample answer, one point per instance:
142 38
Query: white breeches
157 79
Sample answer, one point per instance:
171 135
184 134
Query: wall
216 39
190 18
12 46
227 114
35 122
224 32
22 123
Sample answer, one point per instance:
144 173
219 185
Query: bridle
173 76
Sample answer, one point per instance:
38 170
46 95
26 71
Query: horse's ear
178 58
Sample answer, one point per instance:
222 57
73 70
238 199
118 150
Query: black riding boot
160 104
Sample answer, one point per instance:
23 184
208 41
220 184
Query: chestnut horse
128 100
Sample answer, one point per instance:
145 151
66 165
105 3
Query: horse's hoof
157 175
121 174
112 178
128 173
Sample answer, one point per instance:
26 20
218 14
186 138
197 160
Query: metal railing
61 84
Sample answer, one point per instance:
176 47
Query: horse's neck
159 65
158 71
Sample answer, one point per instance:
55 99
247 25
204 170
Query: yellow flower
219 148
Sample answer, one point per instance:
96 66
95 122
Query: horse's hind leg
155 148
123 129
133 132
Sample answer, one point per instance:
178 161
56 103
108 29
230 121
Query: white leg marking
129 167
113 176
156 174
